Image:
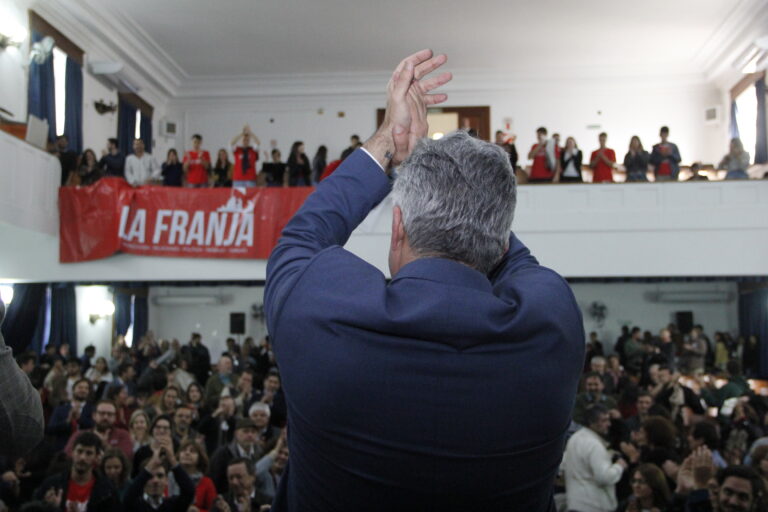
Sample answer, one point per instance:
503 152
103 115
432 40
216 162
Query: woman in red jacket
193 459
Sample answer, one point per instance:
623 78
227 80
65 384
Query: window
137 130
746 117
59 78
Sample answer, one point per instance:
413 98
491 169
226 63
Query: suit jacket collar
447 271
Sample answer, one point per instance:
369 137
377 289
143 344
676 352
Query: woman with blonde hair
138 426
736 161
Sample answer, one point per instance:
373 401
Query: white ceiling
247 37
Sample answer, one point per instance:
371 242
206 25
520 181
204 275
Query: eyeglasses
161 427
106 413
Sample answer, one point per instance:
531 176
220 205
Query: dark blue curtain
140 316
73 106
146 132
126 127
753 320
123 312
733 128
23 314
41 92
63 316
761 142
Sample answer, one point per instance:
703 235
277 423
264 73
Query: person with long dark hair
172 169
89 171
636 160
298 166
319 162
649 490
222 171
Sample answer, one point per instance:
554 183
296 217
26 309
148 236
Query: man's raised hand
408 97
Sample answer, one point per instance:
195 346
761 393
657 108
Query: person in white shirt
140 167
590 473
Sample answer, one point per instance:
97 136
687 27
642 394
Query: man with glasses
104 417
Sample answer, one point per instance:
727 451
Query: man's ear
398 229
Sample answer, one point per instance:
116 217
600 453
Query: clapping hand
53 497
408 96
702 467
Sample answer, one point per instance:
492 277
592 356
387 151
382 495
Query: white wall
621 106
97 128
13 79
211 321
632 230
629 304
98 334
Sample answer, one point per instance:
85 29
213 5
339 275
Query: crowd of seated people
153 427
667 422
550 162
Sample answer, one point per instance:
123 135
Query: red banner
112 216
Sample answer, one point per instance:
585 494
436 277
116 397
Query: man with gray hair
450 387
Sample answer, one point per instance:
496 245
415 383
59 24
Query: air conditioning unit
111 74
712 115
187 300
687 296
168 128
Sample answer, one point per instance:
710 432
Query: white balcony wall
671 229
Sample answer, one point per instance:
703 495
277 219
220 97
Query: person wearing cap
244 445
21 411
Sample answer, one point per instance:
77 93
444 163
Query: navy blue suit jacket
444 389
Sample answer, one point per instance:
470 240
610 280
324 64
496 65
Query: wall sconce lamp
6 41
102 107
101 309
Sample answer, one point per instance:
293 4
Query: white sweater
590 477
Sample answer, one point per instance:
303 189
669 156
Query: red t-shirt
237 168
78 495
330 168
539 169
664 169
197 174
603 172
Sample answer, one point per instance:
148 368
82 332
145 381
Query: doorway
476 118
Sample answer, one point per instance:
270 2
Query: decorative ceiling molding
116 35
747 21
350 85
110 35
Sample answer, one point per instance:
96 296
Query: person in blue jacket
452 386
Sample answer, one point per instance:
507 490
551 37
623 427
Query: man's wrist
381 146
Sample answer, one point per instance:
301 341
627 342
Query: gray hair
457 195
260 406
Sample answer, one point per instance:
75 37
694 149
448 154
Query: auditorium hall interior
154 155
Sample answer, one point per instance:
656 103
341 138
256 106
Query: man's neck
139 155
81 478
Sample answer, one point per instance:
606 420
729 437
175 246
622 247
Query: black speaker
684 321
237 323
